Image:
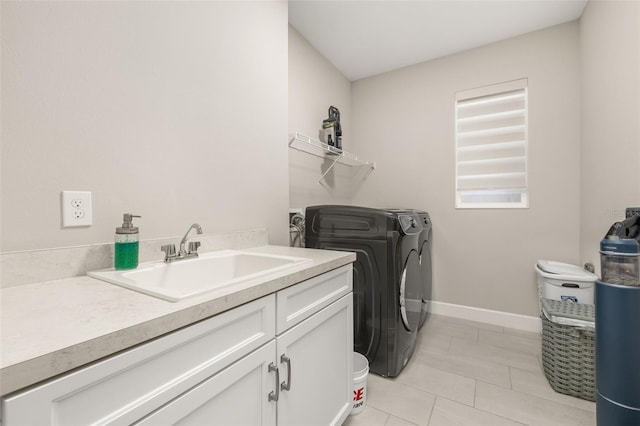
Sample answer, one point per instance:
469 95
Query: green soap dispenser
127 241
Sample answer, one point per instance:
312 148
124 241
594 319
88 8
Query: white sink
186 278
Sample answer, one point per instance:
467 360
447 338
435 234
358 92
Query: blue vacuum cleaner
617 299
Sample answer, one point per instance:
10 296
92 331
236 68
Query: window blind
491 146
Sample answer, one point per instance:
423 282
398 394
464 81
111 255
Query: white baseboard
502 319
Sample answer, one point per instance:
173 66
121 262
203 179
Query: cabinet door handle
286 385
275 395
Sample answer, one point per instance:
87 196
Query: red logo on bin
358 394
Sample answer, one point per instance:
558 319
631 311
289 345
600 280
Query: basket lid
564 271
569 313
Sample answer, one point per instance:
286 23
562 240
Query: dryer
387 289
425 245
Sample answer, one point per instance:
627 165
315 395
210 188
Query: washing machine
425 245
387 289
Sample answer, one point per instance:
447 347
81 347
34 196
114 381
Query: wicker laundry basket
568 347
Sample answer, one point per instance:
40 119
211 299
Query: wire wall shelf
320 149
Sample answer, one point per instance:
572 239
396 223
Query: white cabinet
320 350
238 368
302 377
315 332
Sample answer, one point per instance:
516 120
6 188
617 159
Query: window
491 146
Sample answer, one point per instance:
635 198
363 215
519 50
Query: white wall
610 157
314 85
404 120
176 111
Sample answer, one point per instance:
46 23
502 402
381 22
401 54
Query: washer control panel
410 224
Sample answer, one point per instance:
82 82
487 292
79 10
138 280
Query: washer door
411 292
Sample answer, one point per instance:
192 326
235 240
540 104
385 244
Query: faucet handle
169 251
193 247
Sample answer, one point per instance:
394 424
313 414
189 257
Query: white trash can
360 372
561 281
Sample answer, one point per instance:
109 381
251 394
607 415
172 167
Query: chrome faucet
170 249
182 251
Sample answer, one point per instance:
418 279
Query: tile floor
470 373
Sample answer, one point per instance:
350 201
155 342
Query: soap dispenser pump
127 241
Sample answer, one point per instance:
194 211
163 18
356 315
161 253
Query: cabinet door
319 373
238 395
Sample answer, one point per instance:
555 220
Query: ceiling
363 38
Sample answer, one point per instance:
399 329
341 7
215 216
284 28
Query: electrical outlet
632 211
76 208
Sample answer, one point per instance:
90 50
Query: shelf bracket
329 169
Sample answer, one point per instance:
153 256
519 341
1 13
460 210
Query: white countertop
52 327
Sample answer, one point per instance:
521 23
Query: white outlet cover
76 209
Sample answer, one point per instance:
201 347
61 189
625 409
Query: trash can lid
559 270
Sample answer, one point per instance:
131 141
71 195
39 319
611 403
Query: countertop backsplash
28 267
